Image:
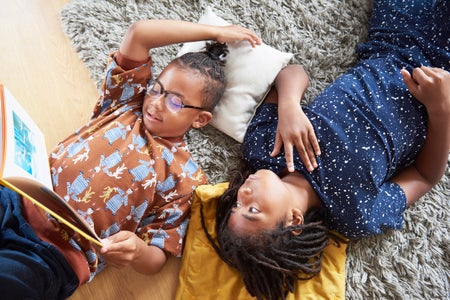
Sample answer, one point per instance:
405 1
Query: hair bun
217 51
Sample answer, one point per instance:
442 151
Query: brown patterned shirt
118 176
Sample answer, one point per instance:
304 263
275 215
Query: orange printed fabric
120 177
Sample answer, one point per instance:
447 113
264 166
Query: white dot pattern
368 125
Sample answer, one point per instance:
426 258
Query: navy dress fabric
29 267
368 125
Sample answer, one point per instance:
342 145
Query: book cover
24 165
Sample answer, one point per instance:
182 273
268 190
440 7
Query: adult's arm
430 86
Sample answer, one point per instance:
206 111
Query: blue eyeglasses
173 101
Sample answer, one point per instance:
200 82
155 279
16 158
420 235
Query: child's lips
252 177
152 117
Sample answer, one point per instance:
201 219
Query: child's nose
158 101
245 194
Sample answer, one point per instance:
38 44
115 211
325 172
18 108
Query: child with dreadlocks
128 172
370 145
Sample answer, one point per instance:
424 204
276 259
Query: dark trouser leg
29 268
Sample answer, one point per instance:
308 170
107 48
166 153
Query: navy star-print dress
368 125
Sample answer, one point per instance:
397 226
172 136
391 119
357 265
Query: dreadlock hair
210 64
270 261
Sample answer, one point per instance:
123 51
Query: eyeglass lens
172 101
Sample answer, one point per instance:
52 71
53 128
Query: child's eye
154 90
253 210
236 205
175 103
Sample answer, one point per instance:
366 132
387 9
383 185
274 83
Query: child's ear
202 119
297 219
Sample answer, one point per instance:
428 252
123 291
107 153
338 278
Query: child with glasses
370 145
128 172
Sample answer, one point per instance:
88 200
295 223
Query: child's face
263 201
163 122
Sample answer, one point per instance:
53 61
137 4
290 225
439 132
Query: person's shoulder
127 63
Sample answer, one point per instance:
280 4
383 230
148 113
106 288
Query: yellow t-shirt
204 275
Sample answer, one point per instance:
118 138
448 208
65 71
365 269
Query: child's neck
174 139
307 196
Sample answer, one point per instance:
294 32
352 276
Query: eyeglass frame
165 92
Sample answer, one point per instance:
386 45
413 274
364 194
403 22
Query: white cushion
250 73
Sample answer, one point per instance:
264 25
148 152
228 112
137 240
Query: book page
23 143
48 200
24 166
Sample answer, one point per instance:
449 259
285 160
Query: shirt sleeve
388 208
369 213
123 83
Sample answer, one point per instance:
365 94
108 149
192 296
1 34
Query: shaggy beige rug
412 263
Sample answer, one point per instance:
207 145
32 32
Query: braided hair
210 64
270 261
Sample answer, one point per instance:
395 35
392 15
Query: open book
24 166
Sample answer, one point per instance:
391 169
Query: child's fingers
405 74
432 71
277 145
289 156
250 36
411 84
314 143
425 70
253 39
239 33
313 149
423 75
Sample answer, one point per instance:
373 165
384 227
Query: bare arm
294 129
147 34
431 86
